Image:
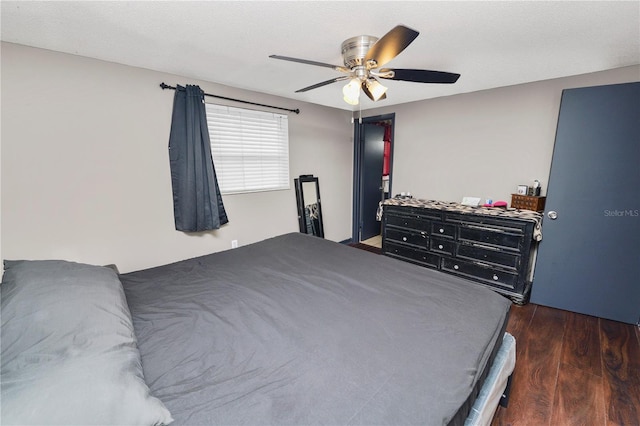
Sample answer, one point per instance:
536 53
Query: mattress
298 330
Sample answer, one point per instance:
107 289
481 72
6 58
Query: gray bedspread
297 330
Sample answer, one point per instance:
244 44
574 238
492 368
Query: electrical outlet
234 243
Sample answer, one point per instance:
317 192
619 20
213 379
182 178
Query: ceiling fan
364 55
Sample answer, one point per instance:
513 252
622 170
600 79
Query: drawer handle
442 230
440 246
495 277
456 267
404 238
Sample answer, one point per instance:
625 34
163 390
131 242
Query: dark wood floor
572 369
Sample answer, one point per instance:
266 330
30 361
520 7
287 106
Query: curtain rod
297 111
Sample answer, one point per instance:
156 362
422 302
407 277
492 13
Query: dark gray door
371 189
589 258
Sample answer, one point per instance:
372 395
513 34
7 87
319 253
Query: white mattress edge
491 392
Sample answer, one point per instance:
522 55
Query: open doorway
372 176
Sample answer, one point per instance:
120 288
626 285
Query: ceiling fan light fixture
351 91
376 89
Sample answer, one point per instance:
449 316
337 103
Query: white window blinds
250 149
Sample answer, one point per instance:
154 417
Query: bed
293 330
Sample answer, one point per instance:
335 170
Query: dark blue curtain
197 203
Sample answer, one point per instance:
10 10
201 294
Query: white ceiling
491 44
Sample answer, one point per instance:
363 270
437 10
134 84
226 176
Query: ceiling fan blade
420 76
324 83
390 45
305 61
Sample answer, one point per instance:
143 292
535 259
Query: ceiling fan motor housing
355 49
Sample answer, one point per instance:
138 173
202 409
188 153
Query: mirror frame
302 222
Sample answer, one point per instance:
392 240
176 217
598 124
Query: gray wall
85 169
85 175
484 143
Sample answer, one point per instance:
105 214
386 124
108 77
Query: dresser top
529 215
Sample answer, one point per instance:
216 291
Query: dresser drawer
423 214
410 222
443 229
481 272
506 224
492 236
442 245
413 255
488 254
419 239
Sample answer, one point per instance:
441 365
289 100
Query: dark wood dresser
492 247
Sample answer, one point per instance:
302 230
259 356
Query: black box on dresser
492 247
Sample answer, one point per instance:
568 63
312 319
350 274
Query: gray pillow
69 352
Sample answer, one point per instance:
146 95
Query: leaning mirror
309 207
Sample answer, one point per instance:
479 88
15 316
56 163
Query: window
250 149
